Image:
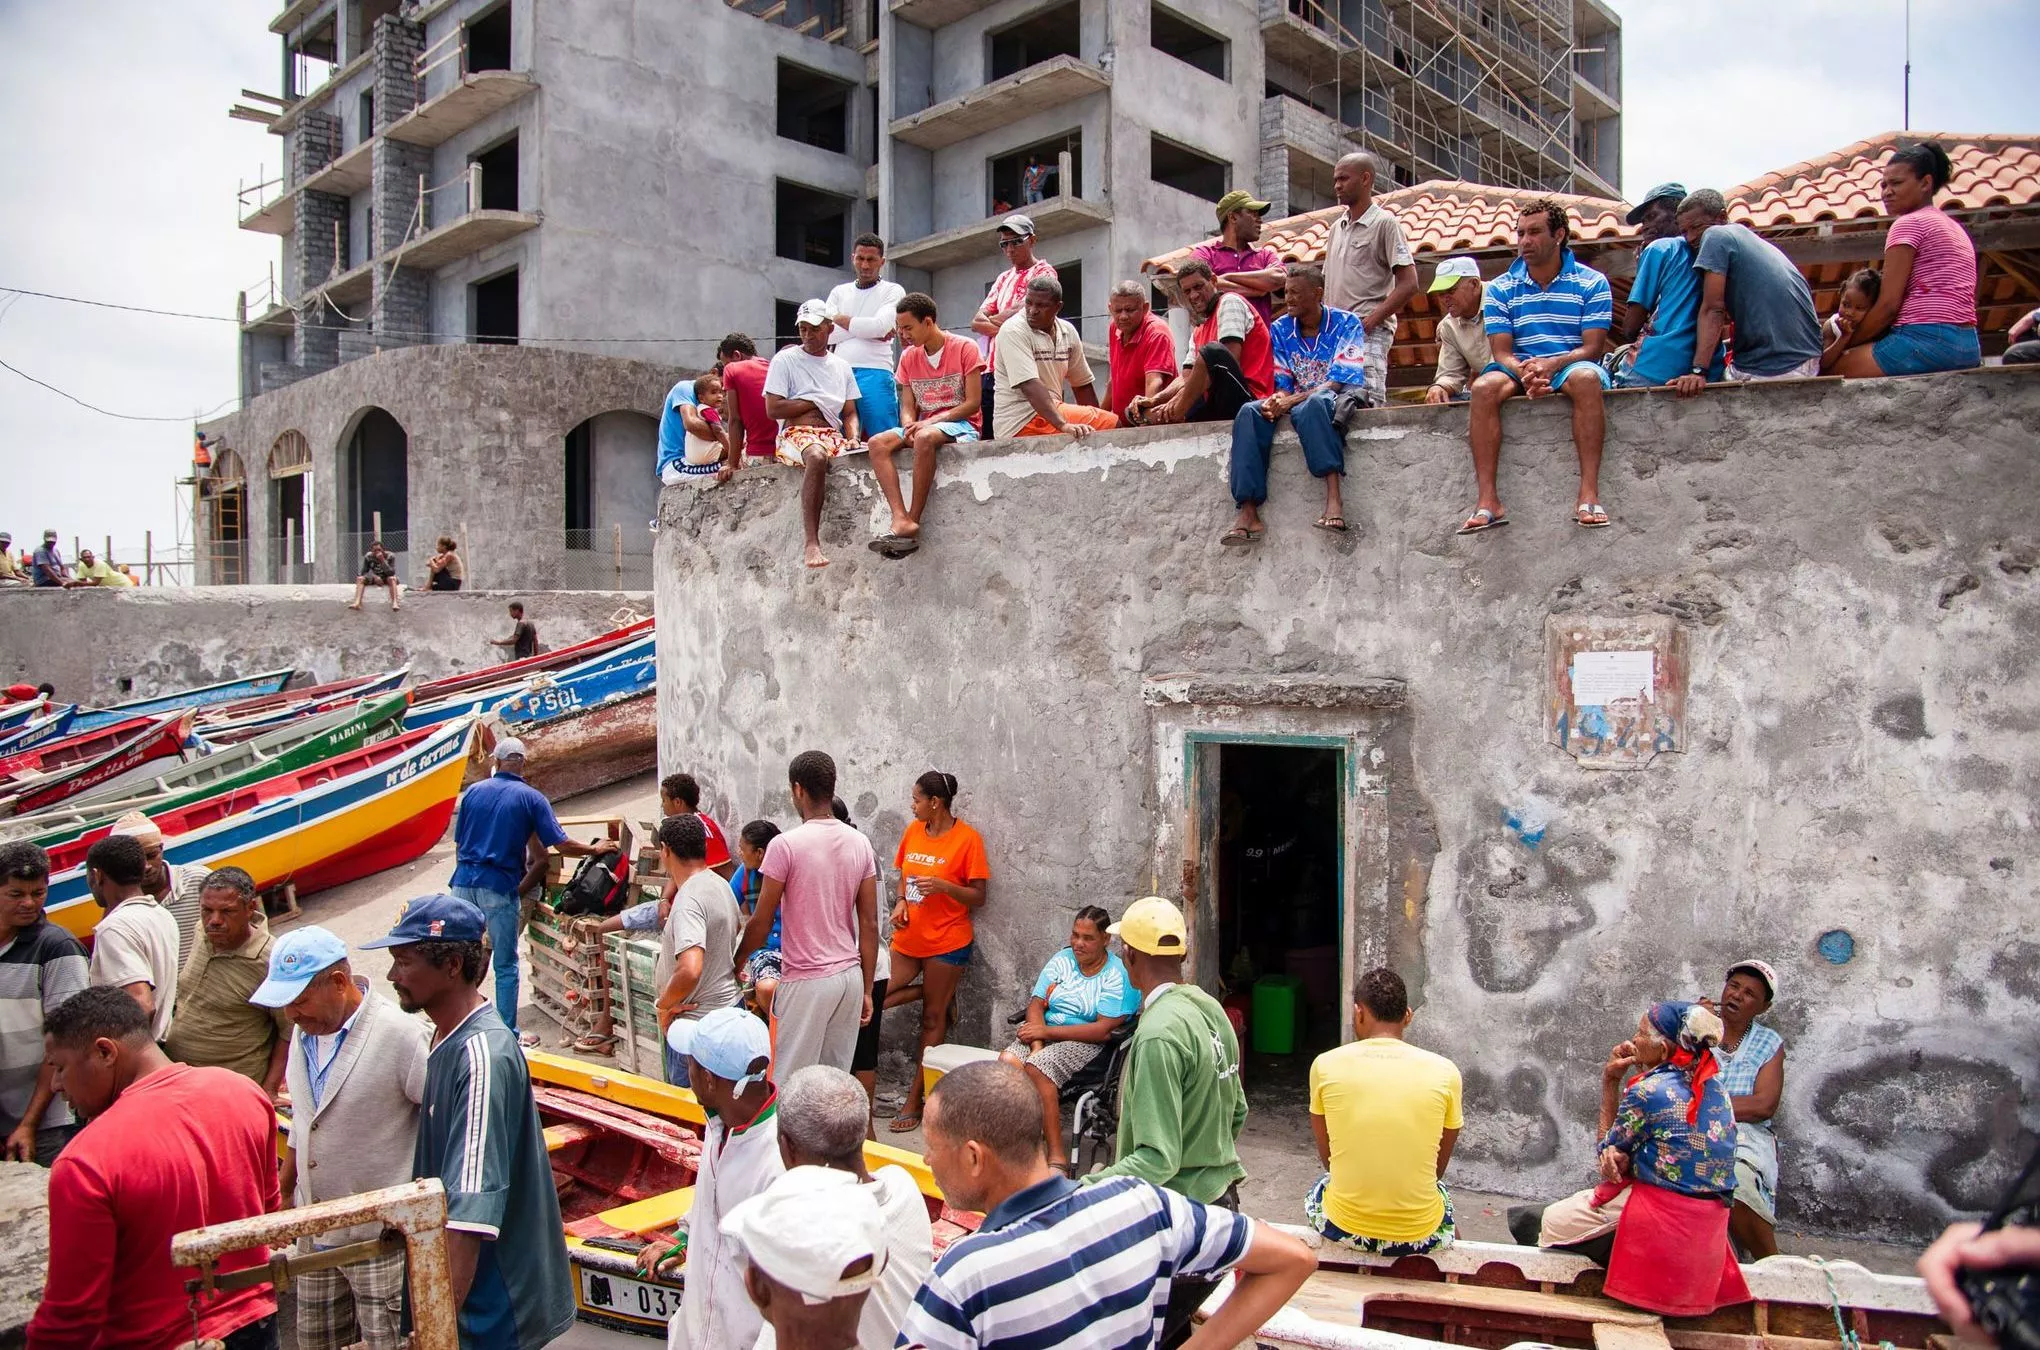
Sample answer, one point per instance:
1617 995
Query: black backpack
597 886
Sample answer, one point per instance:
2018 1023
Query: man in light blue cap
729 1054
356 1073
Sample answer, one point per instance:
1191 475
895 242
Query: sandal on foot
1484 519
1336 524
1591 516
1238 537
592 1044
904 1123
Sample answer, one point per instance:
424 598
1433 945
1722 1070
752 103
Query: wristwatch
1698 370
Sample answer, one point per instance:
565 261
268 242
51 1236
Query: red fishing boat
512 672
56 772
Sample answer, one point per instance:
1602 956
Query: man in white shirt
135 945
812 393
862 312
822 1116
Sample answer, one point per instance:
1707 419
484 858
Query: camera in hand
2006 1302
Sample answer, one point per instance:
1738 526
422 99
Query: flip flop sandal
1335 524
1591 516
596 1045
1238 538
1483 519
904 1123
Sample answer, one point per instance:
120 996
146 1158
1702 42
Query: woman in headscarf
1752 1058
1668 1140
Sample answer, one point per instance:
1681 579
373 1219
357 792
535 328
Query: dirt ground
1276 1147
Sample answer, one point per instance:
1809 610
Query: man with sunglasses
1008 293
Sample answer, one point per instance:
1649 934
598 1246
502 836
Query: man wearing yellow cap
1181 1104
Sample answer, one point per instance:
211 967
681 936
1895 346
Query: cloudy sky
120 170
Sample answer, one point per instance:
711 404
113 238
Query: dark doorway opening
1188 42
1008 176
813 108
810 225
1187 170
498 165
1279 882
494 306
785 330
1052 32
488 40
580 486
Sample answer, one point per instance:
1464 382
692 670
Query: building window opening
1187 170
492 310
1170 32
311 60
361 33
1051 33
488 40
1071 276
1278 883
1032 173
376 471
1310 185
814 108
499 176
810 225
785 332
579 494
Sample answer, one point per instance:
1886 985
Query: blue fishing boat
588 730
15 716
205 695
53 727
482 701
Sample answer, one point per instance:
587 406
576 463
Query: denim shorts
1923 348
960 957
1557 381
957 431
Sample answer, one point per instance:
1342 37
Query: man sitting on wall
1036 358
1463 349
1140 348
1664 300
1746 280
378 569
812 393
1230 363
941 383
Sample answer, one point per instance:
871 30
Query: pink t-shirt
1009 289
821 863
939 385
1942 288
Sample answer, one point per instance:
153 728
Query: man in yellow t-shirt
1386 1116
96 572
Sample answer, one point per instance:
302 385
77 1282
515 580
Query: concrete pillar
314 247
400 310
396 48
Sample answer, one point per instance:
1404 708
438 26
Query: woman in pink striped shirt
1925 316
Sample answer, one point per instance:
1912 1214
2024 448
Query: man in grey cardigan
356 1075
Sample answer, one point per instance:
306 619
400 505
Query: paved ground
1276 1147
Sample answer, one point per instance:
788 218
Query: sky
120 169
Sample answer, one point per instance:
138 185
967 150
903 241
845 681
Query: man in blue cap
1664 300
499 819
356 1073
728 1053
481 1136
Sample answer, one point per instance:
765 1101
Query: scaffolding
1479 90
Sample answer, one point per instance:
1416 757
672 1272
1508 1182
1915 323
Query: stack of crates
567 986
633 990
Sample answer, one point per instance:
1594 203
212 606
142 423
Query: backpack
597 886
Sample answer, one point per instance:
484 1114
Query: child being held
1859 293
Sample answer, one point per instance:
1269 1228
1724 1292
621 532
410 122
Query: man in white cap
814 1247
812 393
357 1075
729 1052
178 887
499 818
1463 347
1008 294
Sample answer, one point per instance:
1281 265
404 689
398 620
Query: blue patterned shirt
1650 1126
1075 998
1548 320
1338 353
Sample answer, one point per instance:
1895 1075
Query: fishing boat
39 778
624 1153
225 691
322 826
354 687
51 726
427 713
1491 1294
513 673
586 731
14 716
284 750
216 730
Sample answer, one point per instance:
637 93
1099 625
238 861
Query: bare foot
906 529
815 556
395 608
354 607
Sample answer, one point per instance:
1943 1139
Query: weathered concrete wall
86 641
486 453
1854 569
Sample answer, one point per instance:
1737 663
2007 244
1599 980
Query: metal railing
253 197
288 565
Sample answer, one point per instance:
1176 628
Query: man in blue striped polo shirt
1056 1264
1547 320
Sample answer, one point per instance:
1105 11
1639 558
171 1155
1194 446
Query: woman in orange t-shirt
943 877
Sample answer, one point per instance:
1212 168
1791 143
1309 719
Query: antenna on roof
1906 113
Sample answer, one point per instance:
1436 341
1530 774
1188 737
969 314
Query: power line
108 304
108 412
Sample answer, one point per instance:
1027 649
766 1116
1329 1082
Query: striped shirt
1548 320
1059 1264
1942 287
40 967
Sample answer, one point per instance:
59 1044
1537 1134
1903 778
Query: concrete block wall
396 47
1857 575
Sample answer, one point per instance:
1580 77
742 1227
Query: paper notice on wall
1602 678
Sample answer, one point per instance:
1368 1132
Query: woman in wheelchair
1082 995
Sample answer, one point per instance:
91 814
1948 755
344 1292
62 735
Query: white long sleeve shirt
868 341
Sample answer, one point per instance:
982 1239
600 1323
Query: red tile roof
1442 216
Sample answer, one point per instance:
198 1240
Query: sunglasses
1011 243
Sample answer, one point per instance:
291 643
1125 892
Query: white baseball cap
1451 271
808 1228
508 747
812 312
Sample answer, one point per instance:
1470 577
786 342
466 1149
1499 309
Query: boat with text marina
53 773
205 695
344 818
216 731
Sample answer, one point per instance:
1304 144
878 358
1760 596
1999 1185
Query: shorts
960 957
878 400
642 918
958 432
1058 1061
796 442
1565 373
1805 370
1923 348
1437 1240
1377 343
864 1059
762 964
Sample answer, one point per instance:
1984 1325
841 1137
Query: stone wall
86 642
1852 569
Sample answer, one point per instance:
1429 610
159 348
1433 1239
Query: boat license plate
616 1296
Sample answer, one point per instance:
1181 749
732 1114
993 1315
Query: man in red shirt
168 1148
1142 350
749 429
1231 361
